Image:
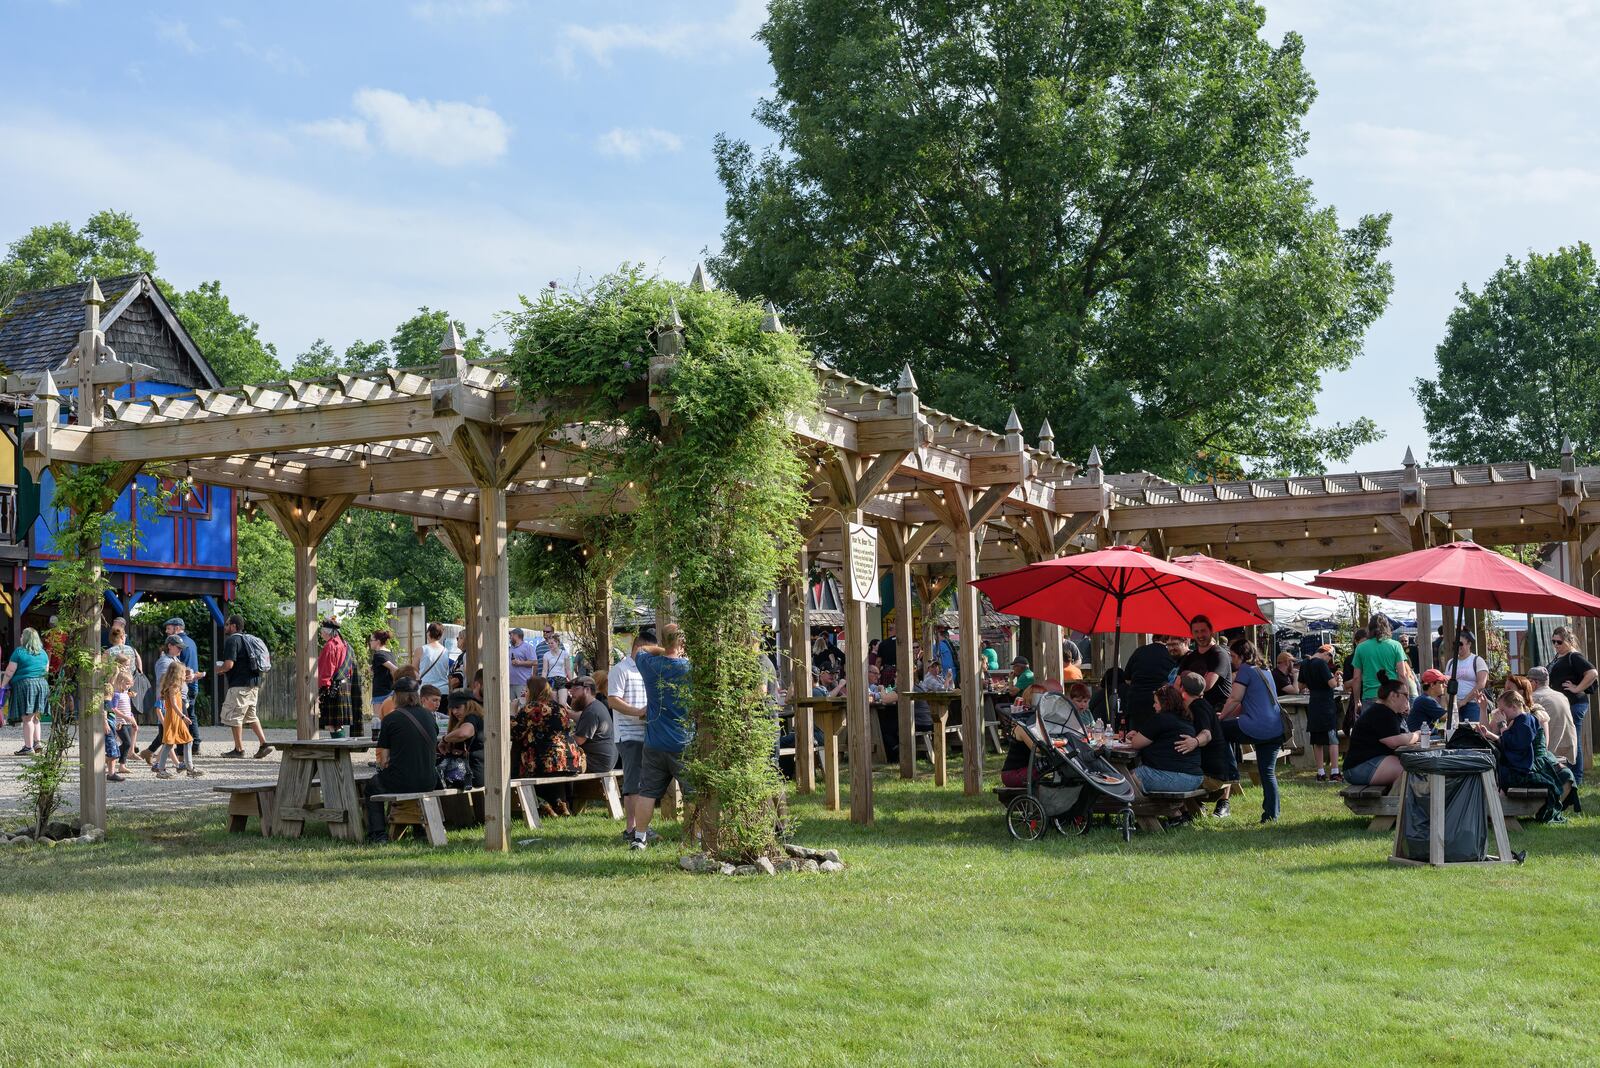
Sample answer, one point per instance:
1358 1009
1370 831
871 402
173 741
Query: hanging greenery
719 490
577 573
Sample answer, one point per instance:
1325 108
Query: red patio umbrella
1467 574
1122 587
1264 587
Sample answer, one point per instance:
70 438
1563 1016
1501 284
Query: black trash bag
1465 829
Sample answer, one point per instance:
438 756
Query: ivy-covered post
799 641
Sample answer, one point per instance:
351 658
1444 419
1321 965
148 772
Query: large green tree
55 254
230 342
1519 366
1088 210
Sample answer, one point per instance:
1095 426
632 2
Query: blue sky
337 165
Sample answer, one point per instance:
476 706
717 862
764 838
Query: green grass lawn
944 943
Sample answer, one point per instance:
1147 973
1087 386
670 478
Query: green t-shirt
992 659
1373 656
30 665
1024 680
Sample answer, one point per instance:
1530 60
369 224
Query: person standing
1471 678
1379 653
1573 676
433 663
1208 660
335 681
627 699
946 655
28 675
241 669
556 665
1322 713
190 655
1563 739
889 651
524 661
668 726
382 663
594 728
1148 669
1252 717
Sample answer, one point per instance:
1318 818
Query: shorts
1014 778
29 697
1362 773
1324 737
657 769
377 702
239 706
631 755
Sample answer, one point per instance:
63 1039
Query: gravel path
143 791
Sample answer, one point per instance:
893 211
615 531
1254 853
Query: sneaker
638 842
625 836
651 837
1335 776
234 754
1221 811
1322 776
164 775
1268 819
24 751
263 750
116 778
196 773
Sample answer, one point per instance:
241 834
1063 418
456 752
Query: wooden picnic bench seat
1520 803
1153 806
423 810
1248 757
259 799
1376 802
588 786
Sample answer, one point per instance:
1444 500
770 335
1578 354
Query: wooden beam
971 648
800 676
494 598
860 710
987 504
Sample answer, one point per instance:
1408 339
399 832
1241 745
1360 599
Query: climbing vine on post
719 490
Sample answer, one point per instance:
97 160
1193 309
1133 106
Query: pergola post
905 680
494 597
304 521
860 709
805 747
971 654
1425 637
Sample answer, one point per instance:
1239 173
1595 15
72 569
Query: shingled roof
38 330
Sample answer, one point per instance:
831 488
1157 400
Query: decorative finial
451 345
1094 457
1047 438
1013 424
770 323
1569 465
700 282
674 320
907 382
92 295
47 387
1410 460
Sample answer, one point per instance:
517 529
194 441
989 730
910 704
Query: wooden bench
1520 803
589 786
1376 802
1151 807
259 799
423 811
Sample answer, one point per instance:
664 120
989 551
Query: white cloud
348 134
446 132
1464 168
305 259
176 32
635 144
735 29
432 10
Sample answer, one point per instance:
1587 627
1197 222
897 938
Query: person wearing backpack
243 661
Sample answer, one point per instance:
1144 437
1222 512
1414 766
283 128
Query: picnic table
325 762
939 702
828 714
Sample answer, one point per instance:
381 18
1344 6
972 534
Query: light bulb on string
1522 517
549 546
543 463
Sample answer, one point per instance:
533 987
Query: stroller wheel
1025 818
1127 825
1073 824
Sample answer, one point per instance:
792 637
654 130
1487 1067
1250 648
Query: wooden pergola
457 449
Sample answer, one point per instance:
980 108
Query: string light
543 463
583 437
1522 517
1374 526
363 459
1308 530
549 546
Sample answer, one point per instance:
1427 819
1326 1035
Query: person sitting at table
1079 695
1561 736
1379 731
1286 674
1163 766
827 685
408 739
1019 757
464 738
1021 676
1217 765
1071 661
541 745
1426 707
874 684
1524 761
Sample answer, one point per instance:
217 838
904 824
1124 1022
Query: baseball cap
1433 675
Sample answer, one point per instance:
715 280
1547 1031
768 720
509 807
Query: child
113 750
127 728
174 726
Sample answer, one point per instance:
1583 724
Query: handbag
454 772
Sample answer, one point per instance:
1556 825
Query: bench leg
1150 823
237 824
433 821
267 800
613 796
1381 823
530 805
1513 824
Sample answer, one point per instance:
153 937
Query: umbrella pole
1116 663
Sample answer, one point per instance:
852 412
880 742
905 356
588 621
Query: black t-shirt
1316 675
600 748
1568 667
243 672
1147 670
411 738
1376 723
1215 758
382 673
1164 729
1017 756
888 649
1213 659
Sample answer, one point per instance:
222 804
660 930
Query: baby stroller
1066 777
